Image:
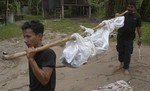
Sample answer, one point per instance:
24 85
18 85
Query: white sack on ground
78 51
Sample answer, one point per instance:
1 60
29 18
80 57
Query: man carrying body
42 73
126 36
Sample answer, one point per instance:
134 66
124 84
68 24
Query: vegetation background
101 9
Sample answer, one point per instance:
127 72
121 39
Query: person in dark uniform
42 74
126 36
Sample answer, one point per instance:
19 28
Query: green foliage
2 7
98 7
32 17
14 6
146 32
145 10
34 6
18 7
11 7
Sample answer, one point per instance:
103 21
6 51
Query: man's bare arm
43 75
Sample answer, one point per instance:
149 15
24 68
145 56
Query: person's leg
120 48
127 55
120 58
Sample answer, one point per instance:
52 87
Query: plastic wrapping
120 85
78 51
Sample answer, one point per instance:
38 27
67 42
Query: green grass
65 25
32 17
9 31
60 25
146 32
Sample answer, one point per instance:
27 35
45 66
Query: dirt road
99 71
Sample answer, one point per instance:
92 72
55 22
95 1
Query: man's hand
139 41
30 53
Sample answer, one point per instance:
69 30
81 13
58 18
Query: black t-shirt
46 58
132 20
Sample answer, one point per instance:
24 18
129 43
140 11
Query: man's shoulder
49 51
138 15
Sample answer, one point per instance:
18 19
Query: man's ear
40 35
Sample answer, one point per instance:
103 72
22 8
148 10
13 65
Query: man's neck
39 45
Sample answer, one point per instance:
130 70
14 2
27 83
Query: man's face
30 39
131 8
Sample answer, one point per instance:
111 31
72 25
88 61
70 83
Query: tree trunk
109 13
120 5
115 6
6 18
46 8
10 17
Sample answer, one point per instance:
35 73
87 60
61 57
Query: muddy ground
99 71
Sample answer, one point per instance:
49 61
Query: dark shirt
46 58
132 20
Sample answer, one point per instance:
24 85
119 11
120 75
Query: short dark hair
133 3
36 26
